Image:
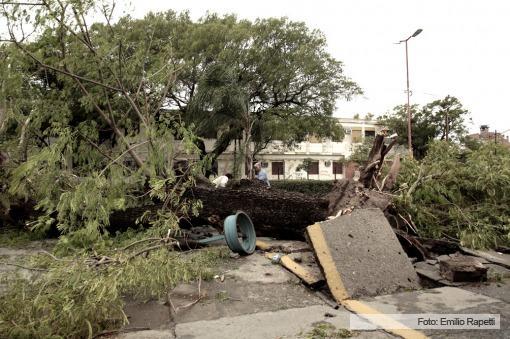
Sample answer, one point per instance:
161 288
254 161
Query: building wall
325 152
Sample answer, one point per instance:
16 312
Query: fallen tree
458 194
274 212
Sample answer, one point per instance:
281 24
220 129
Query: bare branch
103 114
93 144
22 3
70 74
123 153
24 267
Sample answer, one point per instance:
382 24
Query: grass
324 330
75 299
16 238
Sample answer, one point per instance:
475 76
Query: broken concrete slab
361 256
458 268
430 270
492 256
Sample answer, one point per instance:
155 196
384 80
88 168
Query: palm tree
220 108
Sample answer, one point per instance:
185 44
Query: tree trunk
370 173
274 212
248 155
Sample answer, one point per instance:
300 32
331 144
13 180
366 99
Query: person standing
261 174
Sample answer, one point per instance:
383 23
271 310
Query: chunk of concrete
360 255
431 272
492 256
462 268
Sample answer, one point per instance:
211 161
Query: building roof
487 136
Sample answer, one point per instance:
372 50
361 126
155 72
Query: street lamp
409 138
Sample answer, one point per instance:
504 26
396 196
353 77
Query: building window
356 136
277 168
370 134
338 167
314 167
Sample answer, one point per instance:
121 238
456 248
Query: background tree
450 117
279 72
443 119
249 81
369 116
306 165
361 151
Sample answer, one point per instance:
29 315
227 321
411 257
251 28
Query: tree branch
58 70
22 3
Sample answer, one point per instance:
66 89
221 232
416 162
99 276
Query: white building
328 157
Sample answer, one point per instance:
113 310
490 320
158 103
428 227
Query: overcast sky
463 51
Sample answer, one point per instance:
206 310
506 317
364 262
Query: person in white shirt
222 180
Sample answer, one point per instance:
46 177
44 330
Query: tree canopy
443 119
274 81
82 121
94 113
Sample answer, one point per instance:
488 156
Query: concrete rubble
360 254
462 268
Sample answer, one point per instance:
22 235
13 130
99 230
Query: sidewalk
257 299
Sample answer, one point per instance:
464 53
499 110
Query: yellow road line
331 274
341 295
386 323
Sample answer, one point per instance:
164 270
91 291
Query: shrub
308 187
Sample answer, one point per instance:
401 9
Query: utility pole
447 124
409 134
495 140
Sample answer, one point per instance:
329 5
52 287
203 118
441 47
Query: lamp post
409 137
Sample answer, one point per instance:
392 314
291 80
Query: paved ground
17 255
252 298
257 299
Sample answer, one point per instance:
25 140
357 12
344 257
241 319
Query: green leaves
459 193
85 123
271 78
443 119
